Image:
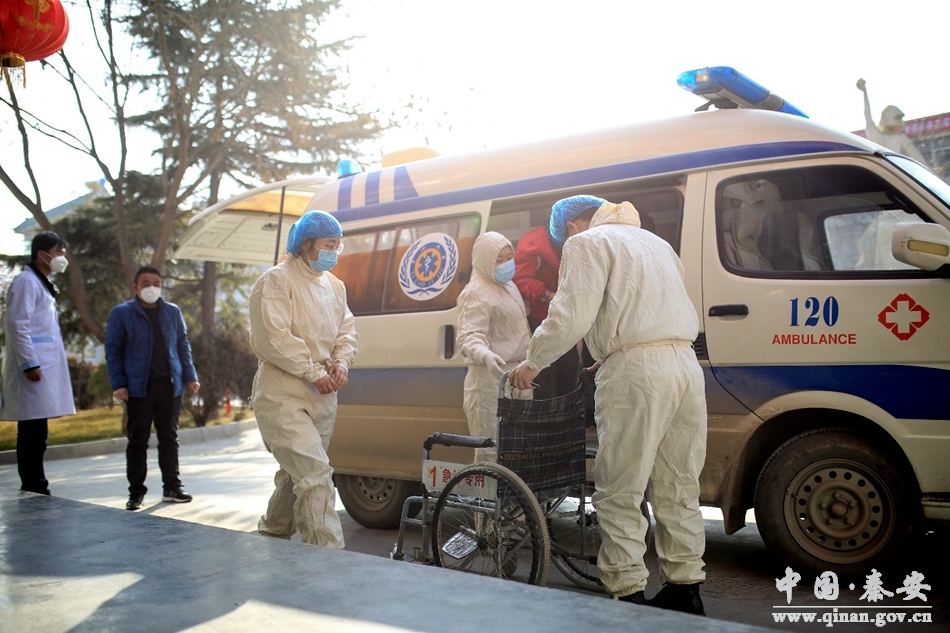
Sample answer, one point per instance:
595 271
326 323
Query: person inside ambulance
621 288
304 336
493 334
745 207
811 253
537 260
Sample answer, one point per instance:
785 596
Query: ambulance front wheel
830 500
375 502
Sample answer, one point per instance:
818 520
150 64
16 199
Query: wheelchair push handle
503 381
450 439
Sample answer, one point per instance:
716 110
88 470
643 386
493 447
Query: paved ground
78 567
232 479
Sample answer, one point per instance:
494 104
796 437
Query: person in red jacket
537 260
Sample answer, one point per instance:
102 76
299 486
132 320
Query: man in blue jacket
149 362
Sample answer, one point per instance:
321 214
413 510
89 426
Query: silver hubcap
376 490
839 511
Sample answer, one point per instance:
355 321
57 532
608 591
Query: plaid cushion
543 441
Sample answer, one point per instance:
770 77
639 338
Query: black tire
375 502
505 537
830 500
575 541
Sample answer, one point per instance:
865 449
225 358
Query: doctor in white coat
36 383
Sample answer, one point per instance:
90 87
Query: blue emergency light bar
726 87
348 167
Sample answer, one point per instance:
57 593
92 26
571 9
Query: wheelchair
512 518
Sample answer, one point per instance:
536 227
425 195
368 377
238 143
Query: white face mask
58 264
150 294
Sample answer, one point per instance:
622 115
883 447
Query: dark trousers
161 406
30 445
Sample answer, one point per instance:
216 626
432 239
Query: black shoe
134 502
176 496
683 598
635 598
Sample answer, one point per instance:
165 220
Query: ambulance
818 262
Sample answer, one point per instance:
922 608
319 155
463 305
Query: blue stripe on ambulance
344 193
905 392
402 185
372 187
401 386
594 175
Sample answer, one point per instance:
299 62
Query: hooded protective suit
747 205
622 289
493 337
300 327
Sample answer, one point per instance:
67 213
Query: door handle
448 342
733 309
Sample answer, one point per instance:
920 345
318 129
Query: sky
495 73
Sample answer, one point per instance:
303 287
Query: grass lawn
97 424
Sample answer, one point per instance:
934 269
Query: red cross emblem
903 317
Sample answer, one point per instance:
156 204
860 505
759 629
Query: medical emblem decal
903 317
429 266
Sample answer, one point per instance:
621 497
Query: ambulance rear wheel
830 500
375 502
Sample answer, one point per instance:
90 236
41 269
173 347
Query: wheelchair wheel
575 540
505 537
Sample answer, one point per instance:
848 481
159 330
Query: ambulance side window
861 240
811 222
372 267
658 201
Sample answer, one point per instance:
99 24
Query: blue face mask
505 272
325 261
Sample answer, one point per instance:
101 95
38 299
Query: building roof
934 125
28 228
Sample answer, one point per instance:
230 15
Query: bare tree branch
76 283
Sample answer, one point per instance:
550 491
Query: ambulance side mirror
925 246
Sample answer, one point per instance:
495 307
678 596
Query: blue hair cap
567 210
312 225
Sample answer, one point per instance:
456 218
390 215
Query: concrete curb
118 444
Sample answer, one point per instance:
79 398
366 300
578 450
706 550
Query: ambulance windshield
924 176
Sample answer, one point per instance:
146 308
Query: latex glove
495 364
325 385
484 356
340 375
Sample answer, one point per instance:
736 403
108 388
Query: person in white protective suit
304 336
493 334
747 205
36 384
621 288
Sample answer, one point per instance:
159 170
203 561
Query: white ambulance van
817 261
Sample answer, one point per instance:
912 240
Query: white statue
890 132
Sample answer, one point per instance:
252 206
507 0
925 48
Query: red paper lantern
30 30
